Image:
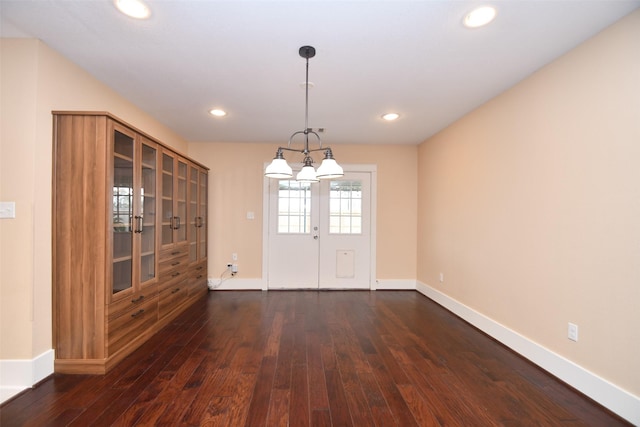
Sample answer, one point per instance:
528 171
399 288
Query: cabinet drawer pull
138 313
199 268
199 277
175 253
175 290
176 274
175 263
140 298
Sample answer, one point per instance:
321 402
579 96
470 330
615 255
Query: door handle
174 223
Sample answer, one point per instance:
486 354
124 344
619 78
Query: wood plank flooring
339 358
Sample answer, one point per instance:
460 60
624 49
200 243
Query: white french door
319 235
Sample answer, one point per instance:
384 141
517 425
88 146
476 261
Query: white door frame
370 168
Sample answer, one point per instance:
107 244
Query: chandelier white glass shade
329 167
307 173
280 169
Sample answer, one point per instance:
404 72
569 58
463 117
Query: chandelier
279 168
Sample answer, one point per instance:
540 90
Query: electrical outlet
572 332
234 256
234 268
441 277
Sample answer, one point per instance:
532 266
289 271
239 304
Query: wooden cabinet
174 271
133 211
174 200
121 266
197 232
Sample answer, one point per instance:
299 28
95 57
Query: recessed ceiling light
133 8
390 116
218 113
479 16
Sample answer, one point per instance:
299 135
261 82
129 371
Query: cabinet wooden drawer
125 305
174 252
172 298
198 278
177 279
126 327
169 266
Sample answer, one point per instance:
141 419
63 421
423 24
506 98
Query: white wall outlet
441 277
234 256
572 332
234 268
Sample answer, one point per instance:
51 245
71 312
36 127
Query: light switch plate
7 209
572 332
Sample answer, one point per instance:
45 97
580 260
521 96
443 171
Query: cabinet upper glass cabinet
197 213
174 199
133 211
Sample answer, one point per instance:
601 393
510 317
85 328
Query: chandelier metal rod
306 107
329 168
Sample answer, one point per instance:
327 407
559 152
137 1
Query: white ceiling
412 57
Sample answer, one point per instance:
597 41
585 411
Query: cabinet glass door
193 214
146 218
180 224
202 216
122 211
167 199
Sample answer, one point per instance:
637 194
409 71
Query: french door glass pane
294 207
345 207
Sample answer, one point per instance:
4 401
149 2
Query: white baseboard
19 375
602 391
396 285
236 284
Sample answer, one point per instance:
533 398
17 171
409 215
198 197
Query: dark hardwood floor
341 358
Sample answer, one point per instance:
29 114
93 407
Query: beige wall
530 206
236 186
34 81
